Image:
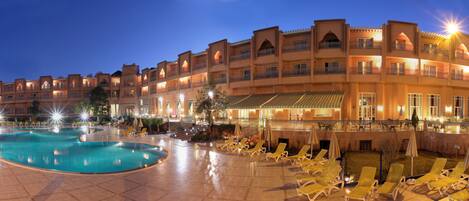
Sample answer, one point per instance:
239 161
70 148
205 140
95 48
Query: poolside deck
189 173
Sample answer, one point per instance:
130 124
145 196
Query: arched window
266 49
461 52
162 74
19 87
330 40
45 85
185 66
218 57
402 42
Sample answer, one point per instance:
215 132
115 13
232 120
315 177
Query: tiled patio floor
190 173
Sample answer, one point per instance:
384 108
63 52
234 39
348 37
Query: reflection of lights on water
146 156
84 129
133 151
85 162
56 129
119 144
117 162
56 152
162 142
30 160
56 162
82 138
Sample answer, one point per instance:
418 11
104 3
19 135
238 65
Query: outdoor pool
63 151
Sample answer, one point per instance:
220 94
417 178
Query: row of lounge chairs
26 124
321 176
131 131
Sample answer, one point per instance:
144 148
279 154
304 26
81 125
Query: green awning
231 100
283 100
252 102
320 100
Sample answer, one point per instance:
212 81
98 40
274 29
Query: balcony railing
335 70
327 45
198 83
185 85
266 52
296 73
438 74
266 75
460 55
359 45
171 87
199 66
240 78
220 80
241 56
403 47
369 70
296 47
436 52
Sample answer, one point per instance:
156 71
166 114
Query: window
266 49
301 69
45 85
365 43
429 70
323 112
191 108
244 114
271 71
457 74
331 67
398 68
330 40
218 57
429 48
162 74
246 74
433 105
364 67
367 106
458 106
415 104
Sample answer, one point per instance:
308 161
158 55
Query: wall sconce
380 108
448 109
401 109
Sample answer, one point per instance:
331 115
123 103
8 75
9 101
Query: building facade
328 71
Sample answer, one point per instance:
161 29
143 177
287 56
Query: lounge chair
128 132
143 132
240 146
462 195
331 167
302 154
452 180
434 173
257 149
366 185
322 186
393 181
318 159
279 152
225 145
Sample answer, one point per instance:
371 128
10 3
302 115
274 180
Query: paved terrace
190 173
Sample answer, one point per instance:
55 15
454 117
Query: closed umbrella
334 149
313 138
466 160
135 124
237 130
140 123
412 151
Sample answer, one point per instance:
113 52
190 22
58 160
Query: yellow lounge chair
393 181
302 154
143 132
322 186
366 185
228 143
240 146
462 195
452 180
434 173
257 149
318 159
332 167
127 132
279 152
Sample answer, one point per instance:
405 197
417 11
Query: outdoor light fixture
210 94
56 116
160 99
401 109
452 27
181 97
84 116
380 108
448 109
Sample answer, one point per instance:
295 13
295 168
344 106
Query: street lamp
210 94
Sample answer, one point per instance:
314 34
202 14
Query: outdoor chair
257 149
143 132
449 180
462 195
279 153
331 167
226 144
434 173
318 159
366 185
240 146
393 182
323 185
302 154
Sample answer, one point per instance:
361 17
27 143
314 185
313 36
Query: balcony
364 70
363 45
436 52
198 83
219 80
185 85
296 73
461 55
266 52
240 78
171 87
242 56
266 75
171 74
403 47
330 70
329 45
296 47
198 66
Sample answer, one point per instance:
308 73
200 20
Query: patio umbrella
466 160
135 124
334 149
237 130
313 138
412 151
140 123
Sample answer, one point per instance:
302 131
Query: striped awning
252 102
283 100
320 100
231 100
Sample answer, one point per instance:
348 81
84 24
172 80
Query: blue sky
61 37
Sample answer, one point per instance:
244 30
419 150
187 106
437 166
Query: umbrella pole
412 166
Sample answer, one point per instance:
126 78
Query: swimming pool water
64 152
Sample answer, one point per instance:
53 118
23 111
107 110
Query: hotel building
329 71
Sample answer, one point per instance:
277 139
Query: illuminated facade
328 71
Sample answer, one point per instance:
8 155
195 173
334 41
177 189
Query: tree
34 110
210 100
83 106
415 119
99 101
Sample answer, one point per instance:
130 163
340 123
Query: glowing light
380 108
56 129
452 27
146 156
84 116
1 117
181 97
82 138
56 116
210 94
448 109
